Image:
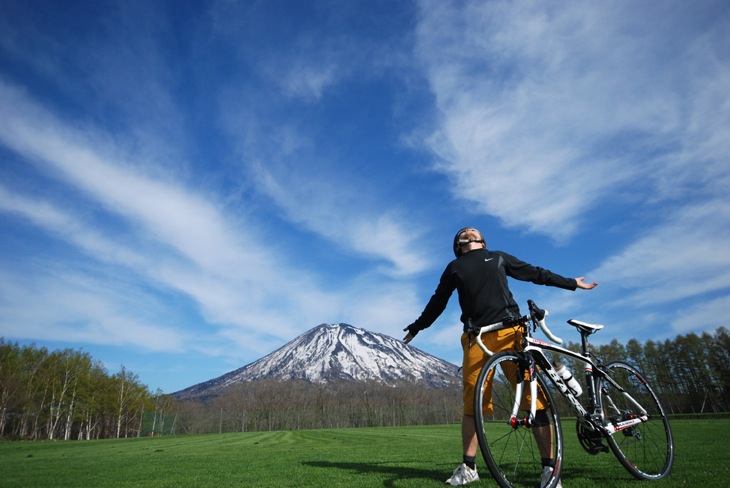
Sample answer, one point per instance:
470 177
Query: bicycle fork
529 419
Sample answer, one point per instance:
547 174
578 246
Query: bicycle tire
646 450
512 454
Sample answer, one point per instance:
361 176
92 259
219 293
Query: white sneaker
547 472
462 475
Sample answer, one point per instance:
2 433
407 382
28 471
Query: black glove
412 331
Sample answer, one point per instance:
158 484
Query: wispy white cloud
315 189
310 71
683 257
290 160
181 240
178 240
700 317
546 110
66 226
346 218
187 222
56 303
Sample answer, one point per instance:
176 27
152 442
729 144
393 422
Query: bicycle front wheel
513 450
646 450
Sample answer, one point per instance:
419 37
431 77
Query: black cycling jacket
480 276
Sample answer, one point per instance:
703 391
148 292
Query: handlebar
536 315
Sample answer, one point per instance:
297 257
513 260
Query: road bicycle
620 408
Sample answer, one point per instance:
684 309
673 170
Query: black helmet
458 243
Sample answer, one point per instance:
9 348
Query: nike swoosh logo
489 259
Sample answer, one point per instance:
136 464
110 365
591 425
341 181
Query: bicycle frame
594 371
534 351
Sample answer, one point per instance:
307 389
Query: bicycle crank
590 440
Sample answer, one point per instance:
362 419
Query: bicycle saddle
584 326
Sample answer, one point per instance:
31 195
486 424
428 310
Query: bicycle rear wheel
646 450
513 452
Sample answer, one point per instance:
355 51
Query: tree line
690 374
296 404
68 395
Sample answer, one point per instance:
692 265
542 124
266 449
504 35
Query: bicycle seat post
592 404
584 342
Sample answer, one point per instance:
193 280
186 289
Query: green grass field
366 457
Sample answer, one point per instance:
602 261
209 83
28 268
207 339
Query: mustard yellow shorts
474 360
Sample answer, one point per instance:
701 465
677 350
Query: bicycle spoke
647 449
512 454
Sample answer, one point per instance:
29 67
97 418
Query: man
480 277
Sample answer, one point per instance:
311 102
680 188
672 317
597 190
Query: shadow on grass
587 476
396 473
400 473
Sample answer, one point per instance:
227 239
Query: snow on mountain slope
337 352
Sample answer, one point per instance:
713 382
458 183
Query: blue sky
187 186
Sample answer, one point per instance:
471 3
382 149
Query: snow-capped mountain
337 352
